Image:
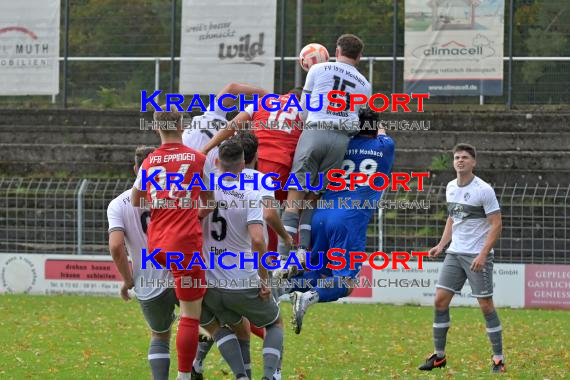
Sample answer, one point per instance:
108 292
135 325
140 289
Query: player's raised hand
125 290
435 251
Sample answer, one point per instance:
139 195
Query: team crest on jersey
467 196
458 212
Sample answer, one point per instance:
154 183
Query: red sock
187 343
259 331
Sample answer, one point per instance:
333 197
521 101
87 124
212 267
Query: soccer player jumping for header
319 151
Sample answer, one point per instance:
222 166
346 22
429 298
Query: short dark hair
462 147
141 153
350 45
249 144
230 153
369 120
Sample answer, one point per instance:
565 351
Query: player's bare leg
441 324
494 332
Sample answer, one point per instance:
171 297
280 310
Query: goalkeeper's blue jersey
368 156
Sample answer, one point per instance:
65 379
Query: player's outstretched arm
255 231
119 255
239 88
239 121
272 218
258 245
496 222
445 239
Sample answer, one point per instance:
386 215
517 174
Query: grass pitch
71 337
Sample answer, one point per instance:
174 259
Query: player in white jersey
203 127
127 227
473 227
319 151
239 229
271 217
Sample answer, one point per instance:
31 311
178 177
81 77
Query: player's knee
211 328
242 330
277 323
164 336
486 304
442 300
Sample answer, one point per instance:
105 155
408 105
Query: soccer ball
312 54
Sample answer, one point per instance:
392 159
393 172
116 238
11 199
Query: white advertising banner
227 41
515 285
415 286
454 47
29 47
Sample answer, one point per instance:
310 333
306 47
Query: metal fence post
371 72
510 86
282 47
380 232
172 45
299 41
65 53
394 46
80 215
156 74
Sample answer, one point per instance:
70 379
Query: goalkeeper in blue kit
369 152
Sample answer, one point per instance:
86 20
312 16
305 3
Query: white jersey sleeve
114 216
310 80
251 174
249 110
138 180
202 129
210 163
489 201
255 213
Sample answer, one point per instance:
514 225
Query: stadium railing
68 216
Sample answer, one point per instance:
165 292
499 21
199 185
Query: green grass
70 337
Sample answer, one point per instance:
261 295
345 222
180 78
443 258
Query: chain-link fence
143 39
69 217
535 223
